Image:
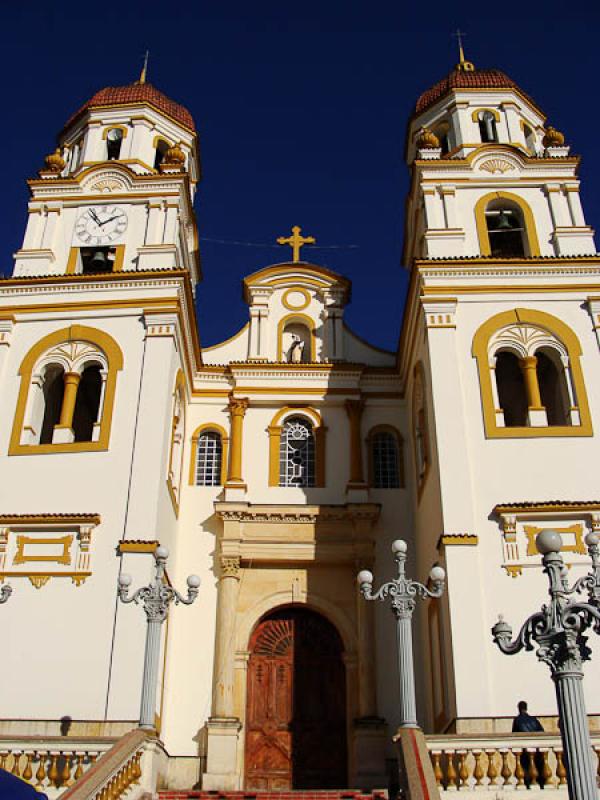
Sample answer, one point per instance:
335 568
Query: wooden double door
296 735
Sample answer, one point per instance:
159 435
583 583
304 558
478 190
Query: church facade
279 463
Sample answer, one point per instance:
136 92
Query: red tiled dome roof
463 79
138 93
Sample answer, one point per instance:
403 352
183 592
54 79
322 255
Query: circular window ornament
296 299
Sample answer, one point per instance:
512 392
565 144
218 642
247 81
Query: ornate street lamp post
156 598
558 630
5 593
404 592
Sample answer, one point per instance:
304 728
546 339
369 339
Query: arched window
209 459
510 384
114 140
67 391
506 229
538 388
553 386
53 389
177 439
87 403
505 226
297 453
385 454
161 148
487 126
419 423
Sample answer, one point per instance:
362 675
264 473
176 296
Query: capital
238 405
354 408
529 362
230 566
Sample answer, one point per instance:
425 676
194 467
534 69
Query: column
558 206
33 232
432 204
449 199
575 207
354 409
223 706
237 410
254 333
63 432
170 225
367 695
537 412
223 727
154 228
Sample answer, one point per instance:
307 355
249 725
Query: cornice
546 506
50 519
290 515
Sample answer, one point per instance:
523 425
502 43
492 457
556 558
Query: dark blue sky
301 108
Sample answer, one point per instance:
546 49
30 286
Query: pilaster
235 488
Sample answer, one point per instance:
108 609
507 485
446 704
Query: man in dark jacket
524 722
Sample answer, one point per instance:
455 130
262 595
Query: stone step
304 794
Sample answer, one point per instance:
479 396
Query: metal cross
296 241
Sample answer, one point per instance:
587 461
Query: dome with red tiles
137 93
467 79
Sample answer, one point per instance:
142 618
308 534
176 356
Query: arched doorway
296 708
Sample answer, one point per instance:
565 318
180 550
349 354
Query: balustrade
50 764
501 762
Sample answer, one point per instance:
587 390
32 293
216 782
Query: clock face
100 225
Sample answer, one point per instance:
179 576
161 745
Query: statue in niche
296 350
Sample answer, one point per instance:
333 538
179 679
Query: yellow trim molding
458 539
299 290
160 138
531 531
49 519
137 546
399 444
303 319
63 558
479 350
532 244
274 431
114 358
477 112
209 426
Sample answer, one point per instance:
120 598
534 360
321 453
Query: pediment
303 275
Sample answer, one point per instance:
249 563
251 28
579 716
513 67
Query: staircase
306 794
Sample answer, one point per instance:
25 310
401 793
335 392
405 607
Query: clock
100 225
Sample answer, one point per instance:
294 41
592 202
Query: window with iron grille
386 463
209 460
297 453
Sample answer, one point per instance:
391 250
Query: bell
99 261
504 223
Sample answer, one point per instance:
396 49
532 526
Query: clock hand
110 219
94 216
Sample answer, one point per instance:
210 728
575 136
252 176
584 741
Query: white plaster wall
507 470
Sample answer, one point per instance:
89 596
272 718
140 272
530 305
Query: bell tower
117 193
488 177
498 359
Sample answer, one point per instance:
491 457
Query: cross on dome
296 241
463 65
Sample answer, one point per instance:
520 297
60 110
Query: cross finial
144 68
296 241
463 65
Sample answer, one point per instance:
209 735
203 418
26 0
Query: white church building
280 462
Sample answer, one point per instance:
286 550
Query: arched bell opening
296 719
